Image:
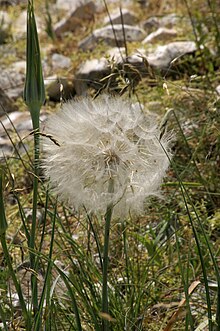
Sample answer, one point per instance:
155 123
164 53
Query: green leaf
3 221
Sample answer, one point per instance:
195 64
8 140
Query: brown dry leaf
106 317
180 306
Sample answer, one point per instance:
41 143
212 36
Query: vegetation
163 271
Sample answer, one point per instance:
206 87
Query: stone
19 27
92 73
151 24
172 20
218 89
168 21
58 87
106 34
89 75
6 104
12 82
127 15
6 148
5 24
162 56
19 122
60 61
161 34
75 19
67 4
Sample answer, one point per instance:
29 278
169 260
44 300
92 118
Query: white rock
161 34
5 20
164 55
12 82
106 34
127 15
218 89
75 18
89 74
19 27
60 61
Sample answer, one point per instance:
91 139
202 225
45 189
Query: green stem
33 265
108 216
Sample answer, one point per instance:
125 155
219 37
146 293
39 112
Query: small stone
5 23
116 38
6 103
161 34
12 82
127 17
60 61
218 89
164 55
19 27
89 75
76 18
151 24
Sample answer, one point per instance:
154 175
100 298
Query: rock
218 89
55 90
19 66
19 27
60 61
6 148
12 82
76 18
92 72
5 23
132 33
161 34
128 17
18 125
67 4
89 75
151 24
172 20
19 122
164 55
168 21
6 104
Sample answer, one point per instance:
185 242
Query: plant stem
108 216
34 287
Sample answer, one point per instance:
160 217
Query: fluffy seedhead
102 139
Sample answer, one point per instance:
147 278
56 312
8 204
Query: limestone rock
6 104
169 21
106 34
127 16
19 27
76 18
89 75
163 55
60 61
161 34
12 82
5 23
67 4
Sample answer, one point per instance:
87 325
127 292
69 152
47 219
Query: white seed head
102 139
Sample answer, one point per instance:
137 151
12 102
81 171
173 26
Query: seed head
102 139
